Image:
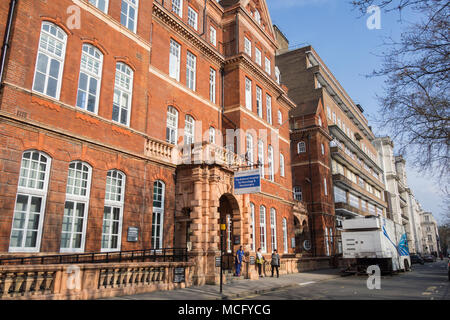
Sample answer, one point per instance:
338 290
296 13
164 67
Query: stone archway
205 191
230 216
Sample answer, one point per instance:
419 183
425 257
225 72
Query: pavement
239 289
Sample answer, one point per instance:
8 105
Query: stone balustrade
205 152
89 281
159 150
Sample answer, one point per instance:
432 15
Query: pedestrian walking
259 261
239 258
275 263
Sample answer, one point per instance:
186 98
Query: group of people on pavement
260 260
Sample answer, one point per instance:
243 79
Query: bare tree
415 102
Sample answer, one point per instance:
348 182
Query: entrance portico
204 199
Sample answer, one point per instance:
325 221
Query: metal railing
145 255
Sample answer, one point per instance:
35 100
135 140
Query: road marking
306 283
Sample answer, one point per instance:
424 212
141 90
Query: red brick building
110 112
335 165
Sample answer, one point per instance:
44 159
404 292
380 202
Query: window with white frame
249 151
269 108
277 75
270 163
273 228
280 118
259 107
262 229
174 60
192 18
329 112
50 60
257 16
191 67
320 121
101 4
322 147
325 187
261 156
285 236
301 147
113 211
247 46
31 198
172 125
129 14
212 85
253 235
212 35
189 130
177 7
159 189
90 78
282 170
212 135
248 93
334 117
123 94
298 193
258 56
73 234
267 65
340 195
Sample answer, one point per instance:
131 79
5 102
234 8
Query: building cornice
242 60
181 29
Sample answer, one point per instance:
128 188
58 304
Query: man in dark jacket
275 263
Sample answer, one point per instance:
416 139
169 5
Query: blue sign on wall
246 182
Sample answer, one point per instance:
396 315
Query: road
424 282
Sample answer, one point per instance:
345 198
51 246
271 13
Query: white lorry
375 240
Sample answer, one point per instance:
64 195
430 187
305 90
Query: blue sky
340 36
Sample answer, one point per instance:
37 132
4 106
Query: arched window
285 236
30 202
101 4
282 169
212 135
253 235
123 93
129 14
249 152
90 78
301 147
158 214
262 229
280 118
73 234
172 125
269 108
113 211
277 75
273 228
261 156
50 60
189 130
271 163
257 16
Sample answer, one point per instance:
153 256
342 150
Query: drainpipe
6 45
